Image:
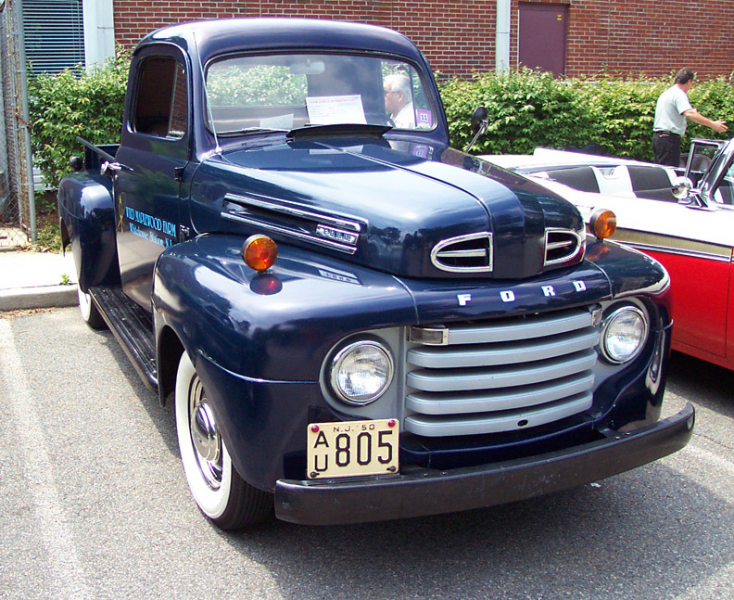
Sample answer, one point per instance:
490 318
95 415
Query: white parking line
68 577
724 464
717 585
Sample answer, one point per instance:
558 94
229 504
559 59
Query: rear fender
87 221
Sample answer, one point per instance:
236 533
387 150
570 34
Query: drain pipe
502 40
25 118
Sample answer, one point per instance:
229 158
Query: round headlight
624 334
361 372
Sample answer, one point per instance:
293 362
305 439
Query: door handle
111 169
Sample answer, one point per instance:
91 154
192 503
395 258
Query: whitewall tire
222 495
89 311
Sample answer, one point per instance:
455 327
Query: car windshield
287 91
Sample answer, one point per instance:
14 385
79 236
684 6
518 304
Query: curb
53 296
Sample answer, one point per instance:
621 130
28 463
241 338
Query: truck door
154 149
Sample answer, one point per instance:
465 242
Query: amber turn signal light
603 223
259 252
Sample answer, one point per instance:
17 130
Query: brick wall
651 38
458 37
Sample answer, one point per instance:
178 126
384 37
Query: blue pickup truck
355 321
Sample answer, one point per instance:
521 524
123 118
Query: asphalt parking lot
95 505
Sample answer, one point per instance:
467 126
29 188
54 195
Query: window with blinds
54 35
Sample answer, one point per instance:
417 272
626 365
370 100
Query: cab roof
222 36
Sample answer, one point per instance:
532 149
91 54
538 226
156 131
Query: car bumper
429 492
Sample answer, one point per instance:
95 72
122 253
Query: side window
161 102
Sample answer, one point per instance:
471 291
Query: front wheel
222 495
89 311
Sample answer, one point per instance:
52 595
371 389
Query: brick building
574 37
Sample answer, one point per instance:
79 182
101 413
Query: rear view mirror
479 122
478 119
681 188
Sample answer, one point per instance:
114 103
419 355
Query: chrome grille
502 375
464 254
562 246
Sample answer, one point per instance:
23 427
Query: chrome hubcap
204 435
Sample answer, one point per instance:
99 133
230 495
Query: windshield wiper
339 130
250 131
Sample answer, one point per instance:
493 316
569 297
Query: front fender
632 273
258 341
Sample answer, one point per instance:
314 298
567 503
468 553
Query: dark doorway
542 36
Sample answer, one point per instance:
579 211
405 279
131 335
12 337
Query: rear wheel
222 495
89 311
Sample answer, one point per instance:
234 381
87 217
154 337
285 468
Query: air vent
464 254
292 220
563 246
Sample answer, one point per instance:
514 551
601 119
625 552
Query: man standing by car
671 112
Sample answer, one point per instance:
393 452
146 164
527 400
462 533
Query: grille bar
514 329
515 375
504 353
500 400
477 424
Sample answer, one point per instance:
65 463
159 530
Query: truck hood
408 209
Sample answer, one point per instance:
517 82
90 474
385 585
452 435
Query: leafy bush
67 105
624 111
526 109
714 99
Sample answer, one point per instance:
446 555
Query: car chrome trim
290 232
442 252
275 206
656 242
429 336
492 377
330 231
573 239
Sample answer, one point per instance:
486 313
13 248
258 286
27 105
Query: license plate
352 448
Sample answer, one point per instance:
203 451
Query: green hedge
526 109
67 105
529 109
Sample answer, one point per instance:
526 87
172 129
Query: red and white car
691 231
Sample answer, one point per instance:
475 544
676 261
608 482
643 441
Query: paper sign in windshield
330 110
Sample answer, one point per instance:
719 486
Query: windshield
287 91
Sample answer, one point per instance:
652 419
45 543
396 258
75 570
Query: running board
133 328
